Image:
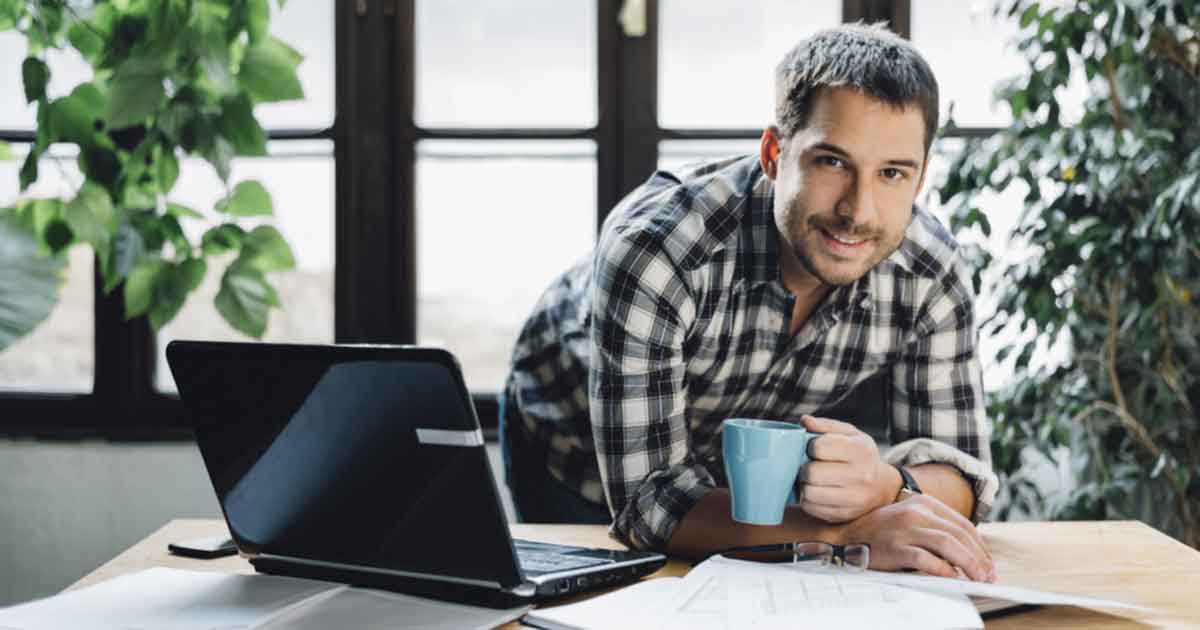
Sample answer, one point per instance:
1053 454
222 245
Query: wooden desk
1124 560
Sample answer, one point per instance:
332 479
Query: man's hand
925 534
845 478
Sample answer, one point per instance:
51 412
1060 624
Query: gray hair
864 56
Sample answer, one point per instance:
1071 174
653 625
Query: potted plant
172 78
1111 228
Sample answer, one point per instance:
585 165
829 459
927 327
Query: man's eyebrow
836 150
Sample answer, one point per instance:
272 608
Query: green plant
171 78
1110 235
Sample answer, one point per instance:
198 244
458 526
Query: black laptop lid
361 456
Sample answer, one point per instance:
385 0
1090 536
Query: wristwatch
908 485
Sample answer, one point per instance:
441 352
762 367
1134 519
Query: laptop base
444 591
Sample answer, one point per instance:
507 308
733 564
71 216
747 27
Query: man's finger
823 473
831 447
827 513
827 425
941 541
824 495
965 527
926 562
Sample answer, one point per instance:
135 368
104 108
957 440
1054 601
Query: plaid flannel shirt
679 320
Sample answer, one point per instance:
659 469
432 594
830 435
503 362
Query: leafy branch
172 78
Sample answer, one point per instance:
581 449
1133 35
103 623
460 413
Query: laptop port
582 582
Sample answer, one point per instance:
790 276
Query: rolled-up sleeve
938 403
640 311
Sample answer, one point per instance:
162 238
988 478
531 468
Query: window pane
675 153
505 63
956 38
59 355
307 27
971 52
497 222
731 85
299 176
67 69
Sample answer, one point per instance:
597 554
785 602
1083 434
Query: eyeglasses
856 557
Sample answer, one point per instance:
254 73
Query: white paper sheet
995 591
768 596
173 599
640 606
166 599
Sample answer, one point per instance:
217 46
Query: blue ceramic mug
762 460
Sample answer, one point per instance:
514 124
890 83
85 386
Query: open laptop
366 465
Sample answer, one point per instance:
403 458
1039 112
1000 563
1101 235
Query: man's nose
858 202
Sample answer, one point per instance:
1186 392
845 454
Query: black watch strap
909 485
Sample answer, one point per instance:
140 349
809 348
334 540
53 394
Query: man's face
845 184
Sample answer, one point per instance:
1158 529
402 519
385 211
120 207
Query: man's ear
769 151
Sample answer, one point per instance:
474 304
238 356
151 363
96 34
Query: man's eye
892 174
830 160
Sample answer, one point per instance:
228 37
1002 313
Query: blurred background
449 158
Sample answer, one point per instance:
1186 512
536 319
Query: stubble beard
812 228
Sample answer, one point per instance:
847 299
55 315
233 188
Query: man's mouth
843 242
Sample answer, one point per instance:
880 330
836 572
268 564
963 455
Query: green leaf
90 216
266 250
215 64
220 155
10 14
237 123
5 151
258 14
29 170
179 211
127 249
85 39
268 72
138 195
245 299
222 238
171 289
57 236
40 212
249 199
101 165
29 282
166 171
139 287
72 119
35 75
173 121
135 93
192 270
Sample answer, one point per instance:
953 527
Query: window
497 221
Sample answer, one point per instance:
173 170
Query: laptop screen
360 456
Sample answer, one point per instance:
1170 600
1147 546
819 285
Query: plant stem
1110 73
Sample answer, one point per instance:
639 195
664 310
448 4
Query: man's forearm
947 484
708 528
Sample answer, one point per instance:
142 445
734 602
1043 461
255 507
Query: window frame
375 275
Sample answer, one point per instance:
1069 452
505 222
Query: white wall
66 508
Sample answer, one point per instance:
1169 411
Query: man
769 287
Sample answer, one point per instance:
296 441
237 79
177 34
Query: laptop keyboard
552 562
546 559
